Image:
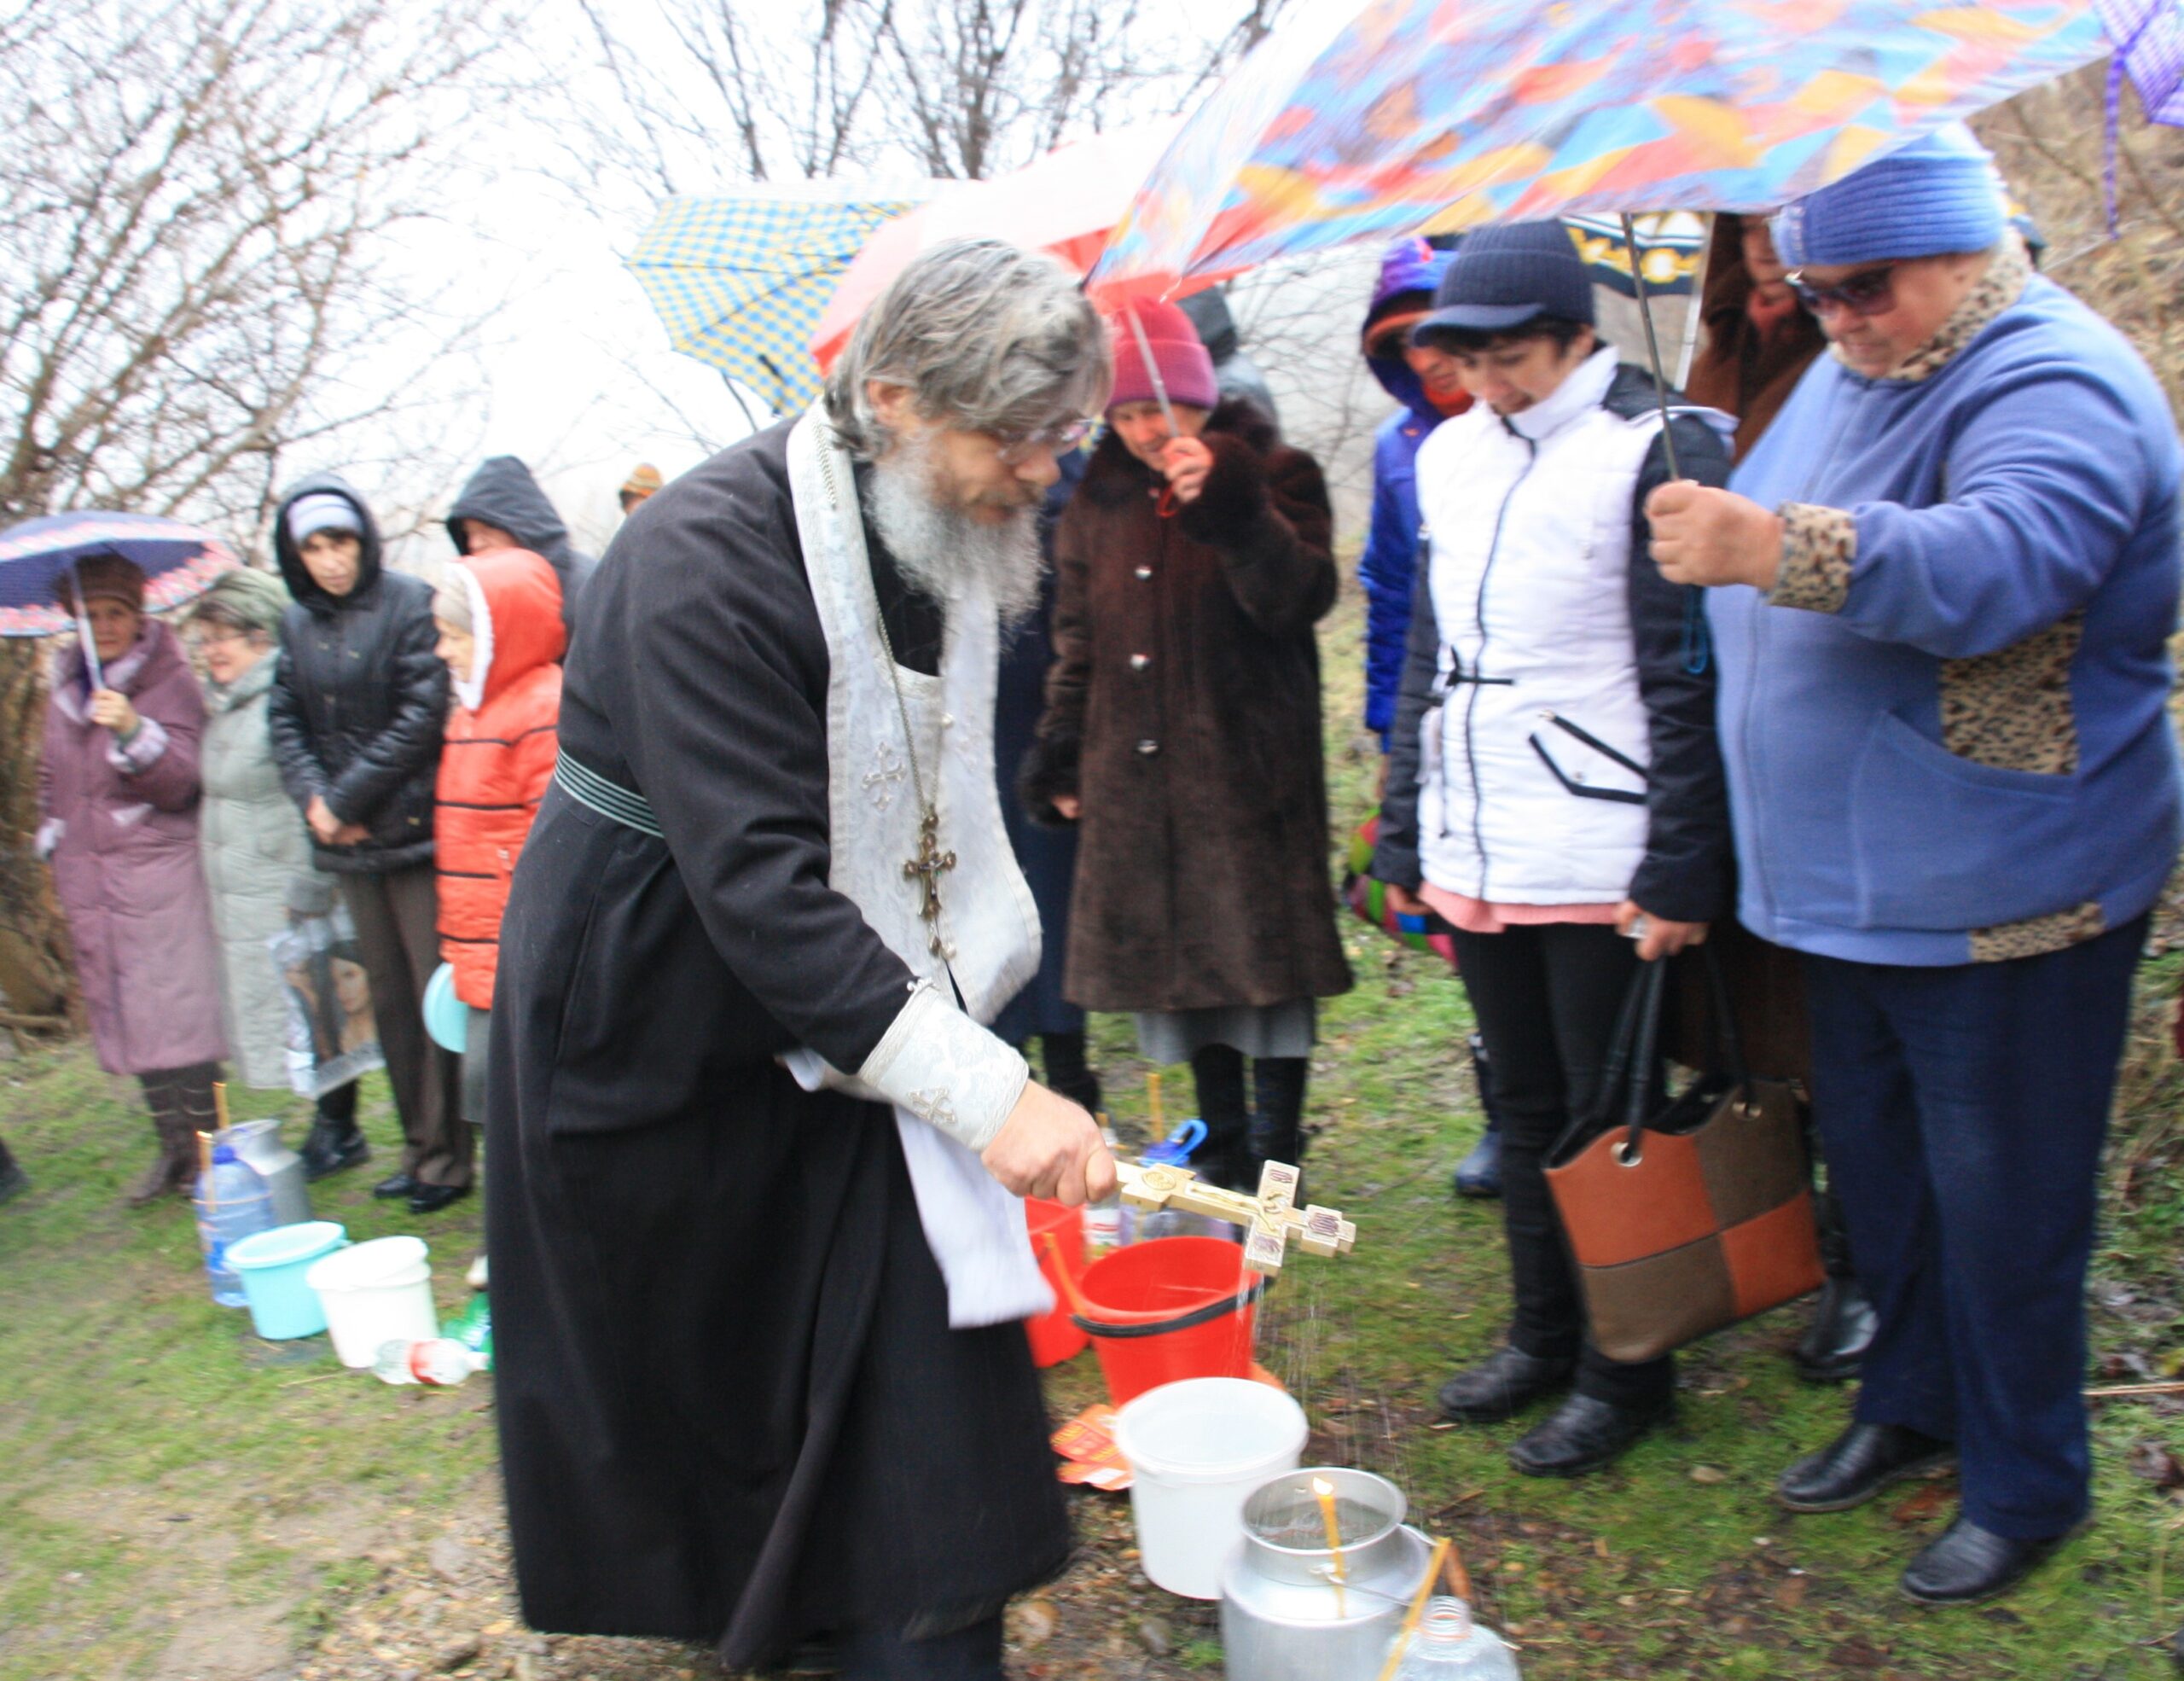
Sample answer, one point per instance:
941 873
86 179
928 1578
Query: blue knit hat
1938 195
1502 277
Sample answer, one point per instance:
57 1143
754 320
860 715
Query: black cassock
730 1406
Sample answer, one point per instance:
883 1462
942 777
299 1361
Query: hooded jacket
1386 569
501 740
502 492
358 700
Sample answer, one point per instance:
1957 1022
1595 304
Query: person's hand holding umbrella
111 709
1712 536
1186 461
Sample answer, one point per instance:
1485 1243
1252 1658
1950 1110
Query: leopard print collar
1994 291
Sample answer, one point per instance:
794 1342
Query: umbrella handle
92 668
1653 345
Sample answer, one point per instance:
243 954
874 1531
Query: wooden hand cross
1267 1218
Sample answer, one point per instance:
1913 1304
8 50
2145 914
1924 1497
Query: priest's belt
610 800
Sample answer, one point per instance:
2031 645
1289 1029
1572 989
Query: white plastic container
374 1293
1196 1449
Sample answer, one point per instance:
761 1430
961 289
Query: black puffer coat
359 700
502 492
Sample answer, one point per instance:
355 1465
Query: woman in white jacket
1553 782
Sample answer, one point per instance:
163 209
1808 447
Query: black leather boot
1503 1385
1062 1056
1834 1344
1857 1465
1479 1173
336 1142
1278 1125
1965 1564
1585 1433
1225 1157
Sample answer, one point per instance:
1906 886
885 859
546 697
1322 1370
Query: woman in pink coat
118 793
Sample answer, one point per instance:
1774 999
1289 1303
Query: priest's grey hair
987 338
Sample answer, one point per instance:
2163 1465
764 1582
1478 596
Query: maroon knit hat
1185 367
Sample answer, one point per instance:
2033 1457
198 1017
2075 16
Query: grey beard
940 550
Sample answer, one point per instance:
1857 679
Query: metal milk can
257 1146
1282 1616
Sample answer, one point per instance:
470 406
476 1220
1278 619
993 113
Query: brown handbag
1690 1215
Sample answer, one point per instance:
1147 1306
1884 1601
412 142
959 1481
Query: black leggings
1547 998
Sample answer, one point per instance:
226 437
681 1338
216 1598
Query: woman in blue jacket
1944 584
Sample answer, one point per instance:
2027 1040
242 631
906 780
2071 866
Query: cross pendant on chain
925 870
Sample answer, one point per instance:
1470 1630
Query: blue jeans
1962 1110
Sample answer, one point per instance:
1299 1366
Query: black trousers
1546 999
972 1653
398 935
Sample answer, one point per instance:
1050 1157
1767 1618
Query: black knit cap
1503 277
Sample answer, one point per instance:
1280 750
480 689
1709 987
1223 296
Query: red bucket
1057 1240
1167 1309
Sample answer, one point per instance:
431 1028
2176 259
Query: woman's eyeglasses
1870 292
1054 439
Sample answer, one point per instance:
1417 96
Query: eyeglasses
1870 292
1058 440
215 636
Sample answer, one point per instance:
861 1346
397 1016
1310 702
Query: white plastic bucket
1196 1449
374 1293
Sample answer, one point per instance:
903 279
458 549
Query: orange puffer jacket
498 756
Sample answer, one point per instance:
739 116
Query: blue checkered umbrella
740 281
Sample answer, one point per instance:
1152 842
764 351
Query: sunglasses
1872 292
1054 439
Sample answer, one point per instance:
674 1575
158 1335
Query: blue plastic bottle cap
223 1153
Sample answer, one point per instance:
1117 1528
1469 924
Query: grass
168 1483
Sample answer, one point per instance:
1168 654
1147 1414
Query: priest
758 1248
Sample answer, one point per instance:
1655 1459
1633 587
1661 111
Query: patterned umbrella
2151 34
1361 123
179 560
1066 203
741 281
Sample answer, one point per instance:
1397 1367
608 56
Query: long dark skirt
730 1406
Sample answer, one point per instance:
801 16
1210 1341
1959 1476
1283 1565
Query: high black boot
1277 1126
1225 1157
1834 1345
1479 1173
336 1140
1067 1072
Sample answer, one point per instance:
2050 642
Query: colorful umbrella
1066 203
178 561
740 281
1360 123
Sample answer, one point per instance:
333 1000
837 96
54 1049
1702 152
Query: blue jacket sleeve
1385 571
2046 481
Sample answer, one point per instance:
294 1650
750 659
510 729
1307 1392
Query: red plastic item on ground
1055 1336
1167 1309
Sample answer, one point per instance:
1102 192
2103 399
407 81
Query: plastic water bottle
232 1203
438 1363
1449 1646
1106 1222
